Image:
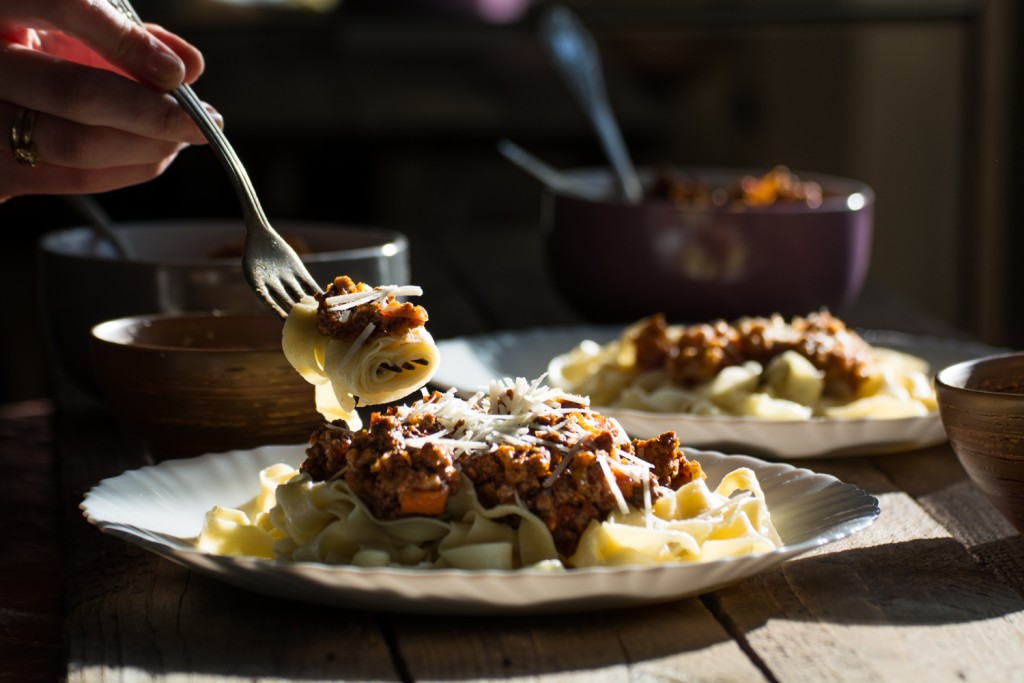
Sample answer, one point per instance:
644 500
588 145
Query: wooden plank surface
935 478
932 591
30 594
896 602
676 641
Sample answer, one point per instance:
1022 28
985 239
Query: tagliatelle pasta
359 346
325 522
765 368
246 530
299 520
693 524
520 476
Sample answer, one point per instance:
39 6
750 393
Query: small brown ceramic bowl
701 260
981 403
195 383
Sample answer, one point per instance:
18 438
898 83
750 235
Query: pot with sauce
708 243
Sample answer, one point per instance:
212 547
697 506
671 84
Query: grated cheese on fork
342 302
359 341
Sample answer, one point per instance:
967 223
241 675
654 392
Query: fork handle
188 99
247 197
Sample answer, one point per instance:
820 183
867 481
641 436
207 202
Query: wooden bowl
981 403
196 383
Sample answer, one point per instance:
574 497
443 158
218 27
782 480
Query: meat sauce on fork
388 316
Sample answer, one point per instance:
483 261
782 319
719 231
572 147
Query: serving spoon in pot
552 178
574 53
100 222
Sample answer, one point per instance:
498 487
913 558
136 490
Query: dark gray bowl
179 266
617 262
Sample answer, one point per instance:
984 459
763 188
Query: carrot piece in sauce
429 503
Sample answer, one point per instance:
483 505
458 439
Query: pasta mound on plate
768 368
522 475
359 346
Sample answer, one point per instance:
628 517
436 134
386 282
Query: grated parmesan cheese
602 460
359 341
503 414
506 412
342 302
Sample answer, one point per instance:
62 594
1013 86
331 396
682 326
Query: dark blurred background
387 113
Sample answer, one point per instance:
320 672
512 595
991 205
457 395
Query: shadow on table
164 618
172 620
942 584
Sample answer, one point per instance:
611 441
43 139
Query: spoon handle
532 165
552 178
574 53
99 220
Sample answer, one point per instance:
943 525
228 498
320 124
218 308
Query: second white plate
469 363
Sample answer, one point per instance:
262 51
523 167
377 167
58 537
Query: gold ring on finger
25 152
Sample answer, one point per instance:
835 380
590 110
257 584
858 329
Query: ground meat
579 496
559 477
777 185
390 318
569 502
701 351
839 351
390 477
501 475
671 467
566 505
328 451
820 338
653 347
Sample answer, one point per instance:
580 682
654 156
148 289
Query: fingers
117 38
28 172
151 54
93 130
67 143
45 178
93 97
191 57
98 85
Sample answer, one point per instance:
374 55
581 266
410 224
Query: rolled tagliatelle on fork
359 346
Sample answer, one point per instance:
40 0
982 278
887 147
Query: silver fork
271 266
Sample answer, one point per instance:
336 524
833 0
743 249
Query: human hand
91 90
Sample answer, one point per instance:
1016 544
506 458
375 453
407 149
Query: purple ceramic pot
617 262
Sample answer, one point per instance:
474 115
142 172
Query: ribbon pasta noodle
693 524
359 346
765 368
326 522
521 475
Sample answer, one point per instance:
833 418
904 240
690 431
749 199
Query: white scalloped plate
161 509
469 363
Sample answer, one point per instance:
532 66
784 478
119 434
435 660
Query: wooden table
933 591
